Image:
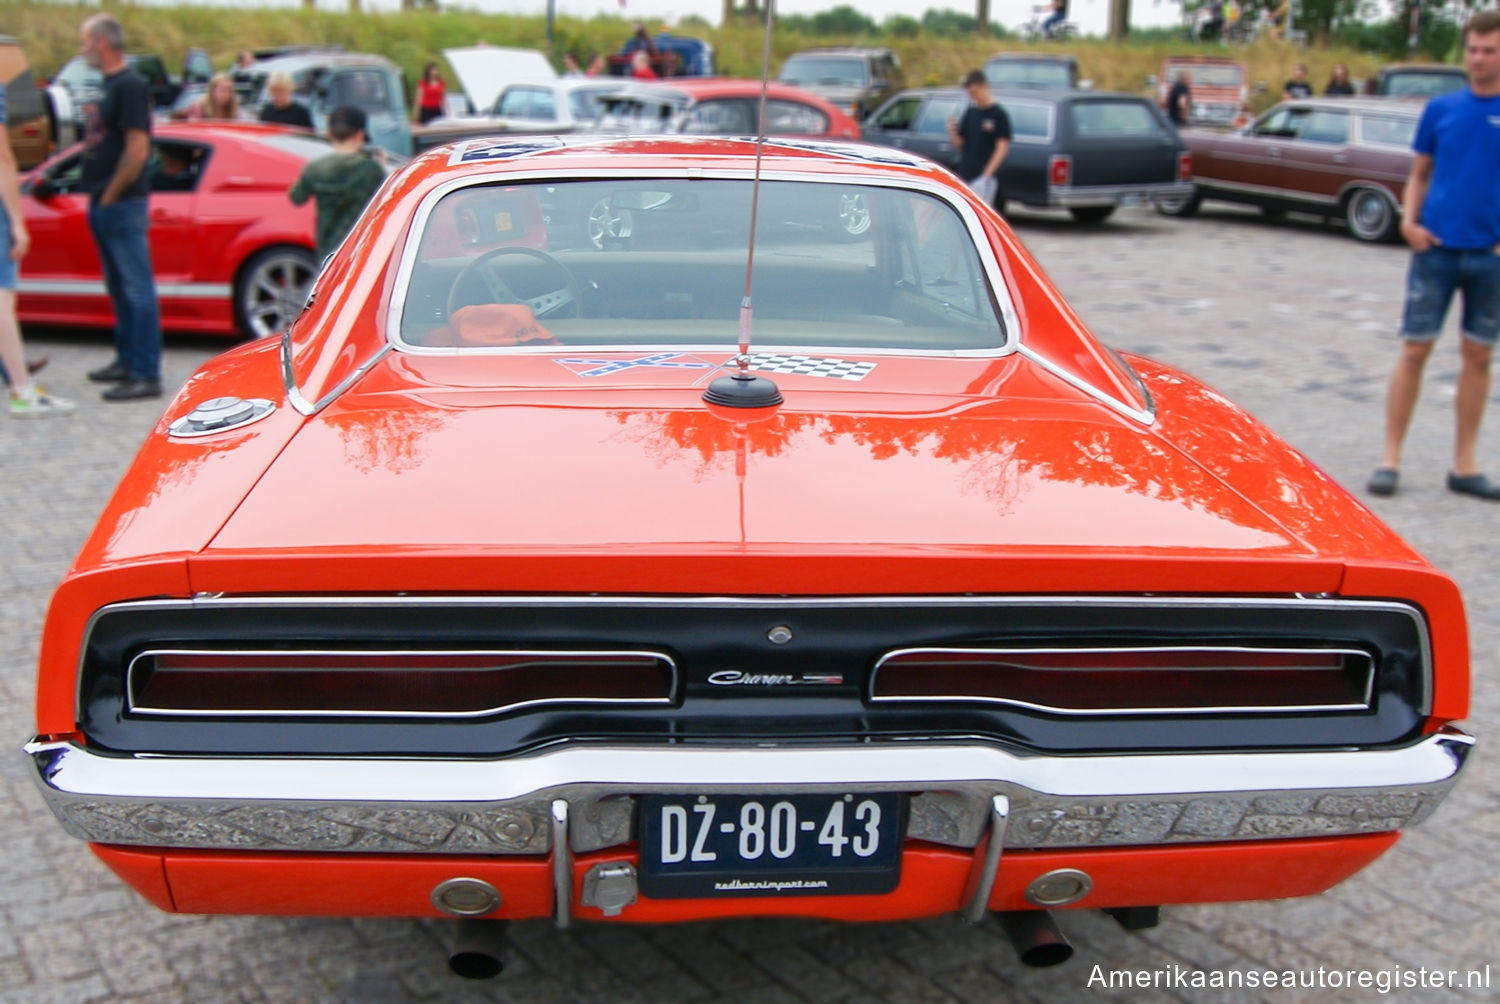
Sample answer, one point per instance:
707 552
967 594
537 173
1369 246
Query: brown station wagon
1336 157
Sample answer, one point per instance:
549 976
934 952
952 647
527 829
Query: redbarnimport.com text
1382 981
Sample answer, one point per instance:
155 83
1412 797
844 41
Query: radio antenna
744 389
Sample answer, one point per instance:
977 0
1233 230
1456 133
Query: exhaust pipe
476 949
1038 941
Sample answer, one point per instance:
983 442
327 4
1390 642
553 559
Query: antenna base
743 390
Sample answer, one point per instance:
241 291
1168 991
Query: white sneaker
34 402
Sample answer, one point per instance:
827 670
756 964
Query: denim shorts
1435 275
7 267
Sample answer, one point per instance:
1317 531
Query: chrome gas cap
220 414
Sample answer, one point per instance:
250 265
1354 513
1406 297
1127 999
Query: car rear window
1025 73
1208 76
628 262
1029 120
824 72
1388 130
1095 118
1417 84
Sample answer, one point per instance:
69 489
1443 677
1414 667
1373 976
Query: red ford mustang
230 252
503 585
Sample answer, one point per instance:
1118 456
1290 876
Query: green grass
50 34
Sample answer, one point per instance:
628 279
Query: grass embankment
50 34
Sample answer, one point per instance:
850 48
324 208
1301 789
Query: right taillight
1060 170
1132 681
1185 166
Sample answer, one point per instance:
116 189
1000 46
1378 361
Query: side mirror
1085 84
43 190
1260 87
1150 80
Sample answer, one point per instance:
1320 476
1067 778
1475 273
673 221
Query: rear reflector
389 683
1132 681
1060 170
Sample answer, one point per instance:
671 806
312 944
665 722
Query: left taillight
1185 166
275 684
1060 170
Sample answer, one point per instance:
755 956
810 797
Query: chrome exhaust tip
1038 941
477 948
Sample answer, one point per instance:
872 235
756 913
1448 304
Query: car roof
842 50
1034 57
321 57
1448 68
209 130
672 154
698 88
1385 106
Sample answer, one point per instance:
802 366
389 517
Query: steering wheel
542 306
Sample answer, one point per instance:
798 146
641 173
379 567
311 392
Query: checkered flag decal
836 369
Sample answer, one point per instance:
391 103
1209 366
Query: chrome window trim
1369 687
999 290
1300 602
132 707
294 394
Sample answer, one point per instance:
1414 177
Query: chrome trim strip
1369 687
978 906
294 393
1145 416
1110 195
562 866
1299 602
134 707
1010 319
95 287
473 806
1289 194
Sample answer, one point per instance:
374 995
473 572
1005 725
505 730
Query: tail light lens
1185 166
1060 170
1132 680
389 683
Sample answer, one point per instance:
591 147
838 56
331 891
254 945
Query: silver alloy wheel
273 290
854 213
606 221
1370 215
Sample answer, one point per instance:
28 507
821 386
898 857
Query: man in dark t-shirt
982 137
117 144
1297 87
1180 100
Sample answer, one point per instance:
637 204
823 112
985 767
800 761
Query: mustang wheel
1370 215
1179 206
853 215
607 221
272 289
1092 215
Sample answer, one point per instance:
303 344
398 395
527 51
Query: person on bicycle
1056 19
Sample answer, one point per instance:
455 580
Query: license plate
1132 200
770 845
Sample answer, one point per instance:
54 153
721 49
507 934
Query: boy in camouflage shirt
340 182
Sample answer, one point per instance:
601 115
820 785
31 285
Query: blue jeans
1435 275
120 232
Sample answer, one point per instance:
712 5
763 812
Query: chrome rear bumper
433 806
1113 195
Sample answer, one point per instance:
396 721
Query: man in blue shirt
1451 219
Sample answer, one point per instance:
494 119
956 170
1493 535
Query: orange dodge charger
626 577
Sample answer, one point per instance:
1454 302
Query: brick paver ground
1295 321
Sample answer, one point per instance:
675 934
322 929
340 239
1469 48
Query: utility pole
982 17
